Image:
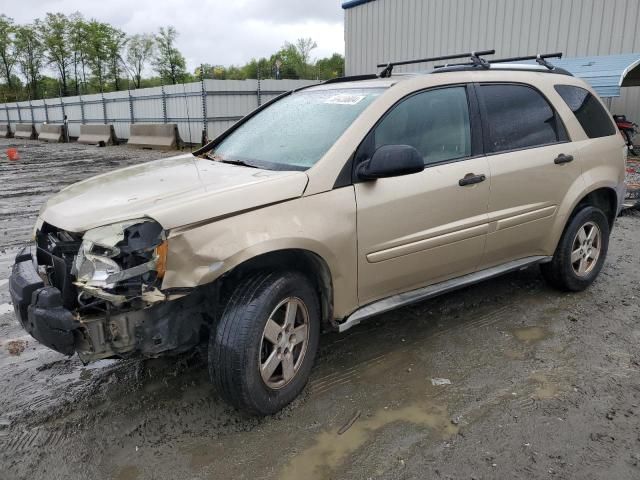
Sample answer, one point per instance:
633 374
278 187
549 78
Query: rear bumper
39 308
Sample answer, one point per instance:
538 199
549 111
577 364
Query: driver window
435 122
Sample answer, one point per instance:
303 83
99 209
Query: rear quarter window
594 118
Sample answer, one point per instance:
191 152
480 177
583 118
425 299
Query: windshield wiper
218 158
238 162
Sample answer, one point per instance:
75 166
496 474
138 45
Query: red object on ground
13 154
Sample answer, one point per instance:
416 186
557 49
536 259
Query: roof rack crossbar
475 57
540 58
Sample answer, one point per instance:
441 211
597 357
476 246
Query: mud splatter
531 334
331 449
16 347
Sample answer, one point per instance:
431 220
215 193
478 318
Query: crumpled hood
175 191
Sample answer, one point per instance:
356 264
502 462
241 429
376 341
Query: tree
7 49
292 64
79 45
331 67
140 50
56 33
300 54
168 61
304 47
115 42
30 54
97 38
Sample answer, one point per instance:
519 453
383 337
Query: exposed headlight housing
112 255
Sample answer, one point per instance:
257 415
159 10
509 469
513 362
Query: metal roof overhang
606 74
354 3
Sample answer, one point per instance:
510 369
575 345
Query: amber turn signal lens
161 262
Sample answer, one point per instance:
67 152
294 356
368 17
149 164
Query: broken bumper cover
39 308
168 327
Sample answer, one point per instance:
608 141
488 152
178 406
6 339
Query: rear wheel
265 343
581 252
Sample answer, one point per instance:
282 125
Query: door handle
471 179
562 158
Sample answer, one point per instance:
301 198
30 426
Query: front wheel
581 252
261 355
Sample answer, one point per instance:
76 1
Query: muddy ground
508 379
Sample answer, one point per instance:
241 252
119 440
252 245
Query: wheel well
308 263
605 199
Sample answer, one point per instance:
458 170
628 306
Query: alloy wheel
284 342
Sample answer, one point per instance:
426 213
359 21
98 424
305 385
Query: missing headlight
121 259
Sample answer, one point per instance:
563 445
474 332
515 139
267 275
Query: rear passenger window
519 117
593 117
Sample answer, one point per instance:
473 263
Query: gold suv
324 207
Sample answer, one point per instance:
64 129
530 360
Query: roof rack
540 58
351 78
475 57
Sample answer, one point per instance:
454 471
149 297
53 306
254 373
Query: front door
419 229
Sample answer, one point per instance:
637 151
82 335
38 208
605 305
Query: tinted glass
296 131
435 122
518 117
593 117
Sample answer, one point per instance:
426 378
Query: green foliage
55 37
168 61
294 61
30 55
7 49
89 56
139 52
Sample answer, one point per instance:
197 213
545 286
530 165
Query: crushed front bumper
169 327
39 308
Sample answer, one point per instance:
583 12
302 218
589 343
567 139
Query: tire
561 272
241 346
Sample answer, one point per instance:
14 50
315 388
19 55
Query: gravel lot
508 379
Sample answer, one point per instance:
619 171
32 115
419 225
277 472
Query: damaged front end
99 293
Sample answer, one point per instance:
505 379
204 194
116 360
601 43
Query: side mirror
391 161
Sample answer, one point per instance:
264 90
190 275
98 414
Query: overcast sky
210 31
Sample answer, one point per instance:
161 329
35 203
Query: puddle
331 450
531 334
545 388
129 472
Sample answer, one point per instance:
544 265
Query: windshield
296 131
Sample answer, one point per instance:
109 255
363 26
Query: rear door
532 166
419 229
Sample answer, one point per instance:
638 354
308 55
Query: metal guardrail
153 107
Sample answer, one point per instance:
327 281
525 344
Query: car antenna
186 104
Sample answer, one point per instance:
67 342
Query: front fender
323 224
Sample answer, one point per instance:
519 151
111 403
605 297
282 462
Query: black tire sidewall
563 255
253 394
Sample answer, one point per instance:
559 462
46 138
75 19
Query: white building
379 31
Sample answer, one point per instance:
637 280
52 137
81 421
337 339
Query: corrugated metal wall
226 102
384 30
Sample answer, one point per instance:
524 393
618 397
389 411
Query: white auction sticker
345 99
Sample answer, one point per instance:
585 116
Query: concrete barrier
158 136
25 130
51 132
5 131
94 134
